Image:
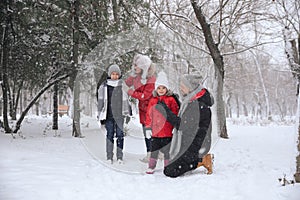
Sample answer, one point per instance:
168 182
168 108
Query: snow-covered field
43 167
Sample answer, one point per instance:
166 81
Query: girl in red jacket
140 85
156 124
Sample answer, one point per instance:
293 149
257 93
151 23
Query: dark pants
147 140
187 159
160 145
114 127
181 165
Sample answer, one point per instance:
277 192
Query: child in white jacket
112 112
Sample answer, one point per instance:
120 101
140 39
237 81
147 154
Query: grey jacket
120 105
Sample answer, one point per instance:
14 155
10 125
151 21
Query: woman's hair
151 70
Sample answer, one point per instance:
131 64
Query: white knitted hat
162 80
113 68
143 62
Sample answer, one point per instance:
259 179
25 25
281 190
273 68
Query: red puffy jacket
141 92
156 121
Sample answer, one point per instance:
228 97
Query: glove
127 119
162 108
148 133
168 114
125 88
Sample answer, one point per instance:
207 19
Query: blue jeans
114 127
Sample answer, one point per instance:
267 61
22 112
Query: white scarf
114 83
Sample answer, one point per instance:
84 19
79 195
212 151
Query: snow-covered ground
247 167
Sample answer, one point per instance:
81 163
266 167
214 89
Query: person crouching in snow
156 124
142 78
193 124
112 111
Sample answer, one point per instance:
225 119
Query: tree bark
219 69
293 57
4 78
116 13
76 132
55 106
297 174
261 78
75 82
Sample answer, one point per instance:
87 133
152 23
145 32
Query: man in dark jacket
192 123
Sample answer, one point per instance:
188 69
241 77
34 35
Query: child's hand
148 133
127 119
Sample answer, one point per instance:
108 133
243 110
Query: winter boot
109 161
150 171
120 161
151 166
207 162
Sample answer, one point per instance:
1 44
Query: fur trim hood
169 93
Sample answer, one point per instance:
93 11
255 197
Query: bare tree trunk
1 105
11 101
293 57
13 96
116 13
4 78
76 132
76 111
21 101
17 99
219 68
221 118
258 65
37 106
25 99
237 105
297 174
55 106
228 106
245 109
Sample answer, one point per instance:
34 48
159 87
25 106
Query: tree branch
176 32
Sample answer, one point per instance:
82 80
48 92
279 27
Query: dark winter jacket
112 101
195 119
156 120
141 92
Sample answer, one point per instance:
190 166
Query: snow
247 166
